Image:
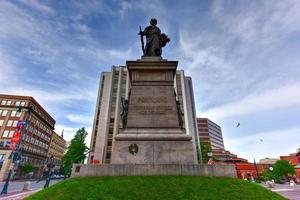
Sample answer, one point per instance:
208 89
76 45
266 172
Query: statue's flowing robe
153 46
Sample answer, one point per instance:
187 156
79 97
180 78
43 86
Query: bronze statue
124 111
154 39
180 114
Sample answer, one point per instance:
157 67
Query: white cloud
276 98
83 119
83 28
264 21
69 132
231 51
265 144
245 48
38 5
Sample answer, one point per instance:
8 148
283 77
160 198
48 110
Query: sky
243 57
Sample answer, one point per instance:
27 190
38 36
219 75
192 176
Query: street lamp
50 165
16 154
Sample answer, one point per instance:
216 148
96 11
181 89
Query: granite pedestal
153 128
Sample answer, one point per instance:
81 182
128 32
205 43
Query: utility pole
50 165
16 154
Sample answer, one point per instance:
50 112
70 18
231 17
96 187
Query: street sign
20 123
16 137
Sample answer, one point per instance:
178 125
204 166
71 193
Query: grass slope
155 187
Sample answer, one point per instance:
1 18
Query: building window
18 114
13 113
1 122
8 133
6 102
2 157
20 103
3 112
10 123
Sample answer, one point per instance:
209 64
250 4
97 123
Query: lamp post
16 154
271 169
50 165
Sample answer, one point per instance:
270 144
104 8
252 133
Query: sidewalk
15 189
290 192
18 195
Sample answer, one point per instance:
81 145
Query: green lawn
155 187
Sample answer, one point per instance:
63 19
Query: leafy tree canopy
27 168
76 152
282 169
205 148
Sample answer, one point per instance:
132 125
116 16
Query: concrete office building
113 86
35 142
211 133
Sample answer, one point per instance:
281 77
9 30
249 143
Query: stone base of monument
153 134
155 152
153 146
83 170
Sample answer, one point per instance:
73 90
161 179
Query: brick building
36 140
57 149
246 170
293 159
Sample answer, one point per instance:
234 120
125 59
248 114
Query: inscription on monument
152 106
152 100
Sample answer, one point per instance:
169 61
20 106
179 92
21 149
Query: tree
205 148
281 169
266 175
27 168
76 152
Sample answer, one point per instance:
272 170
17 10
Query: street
290 192
15 189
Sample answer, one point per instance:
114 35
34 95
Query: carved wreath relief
133 149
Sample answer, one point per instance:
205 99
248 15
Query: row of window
9 103
37 142
13 113
39 133
41 125
43 115
33 161
8 133
12 123
34 150
58 149
22 103
4 144
56 153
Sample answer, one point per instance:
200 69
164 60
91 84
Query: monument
152 126
150 138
